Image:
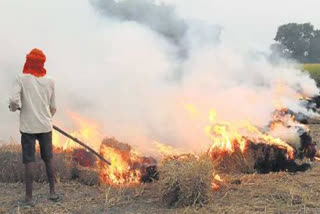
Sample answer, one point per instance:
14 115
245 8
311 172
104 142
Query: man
34 95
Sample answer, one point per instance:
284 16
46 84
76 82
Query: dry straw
12 169
185 182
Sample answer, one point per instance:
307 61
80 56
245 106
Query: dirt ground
272 193
252 193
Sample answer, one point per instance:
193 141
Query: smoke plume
158 17
162 19
117 70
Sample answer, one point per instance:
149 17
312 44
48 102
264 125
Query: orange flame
216 180
88 131
281 118
126 165
227 137
166 150
121 172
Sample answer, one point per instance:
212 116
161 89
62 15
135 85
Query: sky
250 24
247 24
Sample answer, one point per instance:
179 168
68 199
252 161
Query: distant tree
298 41
314 51
279 51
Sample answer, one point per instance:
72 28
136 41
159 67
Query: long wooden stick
81 143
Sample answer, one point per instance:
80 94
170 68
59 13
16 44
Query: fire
283 118
218 178
215 182
227 138
87 131
127 166
166 150
121 171
223 136
214 186
192 110
257 136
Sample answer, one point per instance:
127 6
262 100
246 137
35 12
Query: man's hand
53 111
13 107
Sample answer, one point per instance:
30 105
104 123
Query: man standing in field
34 94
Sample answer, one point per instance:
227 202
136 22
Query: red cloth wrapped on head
35 63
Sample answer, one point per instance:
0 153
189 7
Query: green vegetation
298 41
314 71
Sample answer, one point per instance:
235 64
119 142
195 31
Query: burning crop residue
122 170
127 167
215 183
166 150
227 138
285 119
243 147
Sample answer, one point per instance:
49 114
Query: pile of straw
185 182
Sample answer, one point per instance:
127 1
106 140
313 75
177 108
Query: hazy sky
247 24
250 23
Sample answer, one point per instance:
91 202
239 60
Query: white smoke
163 19
288 134
121 74
158 17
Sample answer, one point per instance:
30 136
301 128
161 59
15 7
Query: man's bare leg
51 179
28 181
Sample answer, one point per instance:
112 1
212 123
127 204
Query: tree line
300 42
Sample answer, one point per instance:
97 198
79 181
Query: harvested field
272 193
239 193
314 71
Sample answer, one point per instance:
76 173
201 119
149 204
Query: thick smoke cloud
158 17
117 73
161 18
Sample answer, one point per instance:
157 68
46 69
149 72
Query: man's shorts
28 142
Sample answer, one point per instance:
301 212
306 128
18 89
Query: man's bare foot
54 197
